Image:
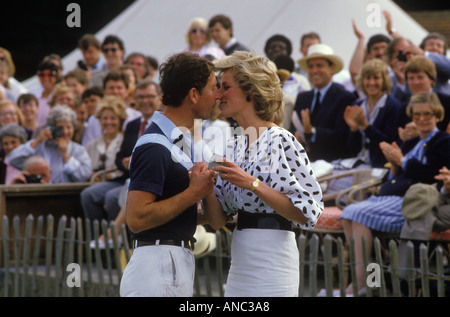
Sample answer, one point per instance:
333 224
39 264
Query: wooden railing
50 258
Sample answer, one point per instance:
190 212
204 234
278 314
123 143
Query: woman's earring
248 99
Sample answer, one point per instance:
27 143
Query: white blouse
280 161
98 147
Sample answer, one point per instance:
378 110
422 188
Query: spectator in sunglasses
198 40
10 87
47 73
113 50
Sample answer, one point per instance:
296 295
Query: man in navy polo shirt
163 194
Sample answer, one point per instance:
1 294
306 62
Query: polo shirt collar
170 130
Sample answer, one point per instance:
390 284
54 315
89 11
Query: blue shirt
153 169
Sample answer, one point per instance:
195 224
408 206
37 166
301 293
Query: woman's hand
232 173
44 135
62 144
392 152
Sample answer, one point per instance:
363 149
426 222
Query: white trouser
159 271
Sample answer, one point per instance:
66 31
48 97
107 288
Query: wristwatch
254 185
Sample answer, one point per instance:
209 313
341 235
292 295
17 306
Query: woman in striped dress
418 160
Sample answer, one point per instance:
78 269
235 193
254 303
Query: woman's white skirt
264 263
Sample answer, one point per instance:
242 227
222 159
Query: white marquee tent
157 27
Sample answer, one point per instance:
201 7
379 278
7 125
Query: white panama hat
205 242
322 51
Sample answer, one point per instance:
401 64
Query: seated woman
111 114
69 160
11 136
418 160
375 118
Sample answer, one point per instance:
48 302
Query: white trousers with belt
159 271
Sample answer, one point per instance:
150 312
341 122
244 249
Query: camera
82 65
33 178
401 57
56 132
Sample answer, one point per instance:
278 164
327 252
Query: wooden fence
44 258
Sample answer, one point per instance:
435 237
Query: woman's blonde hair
59 89
116 105
197 22
257 77
19 112
429 98
371 68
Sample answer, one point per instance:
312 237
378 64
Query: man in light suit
318 118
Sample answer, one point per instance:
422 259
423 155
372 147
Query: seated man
36 171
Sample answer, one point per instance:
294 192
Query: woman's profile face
233 98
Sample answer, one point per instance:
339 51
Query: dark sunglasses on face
107 49
194 31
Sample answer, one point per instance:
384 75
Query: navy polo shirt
153 169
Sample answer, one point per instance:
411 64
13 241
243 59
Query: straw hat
205 242
322 51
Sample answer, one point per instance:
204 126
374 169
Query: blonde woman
10 113
375 118
111 114
198 40
265 179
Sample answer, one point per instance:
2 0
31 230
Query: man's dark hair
310 35
180 73
92 91
145 83
222 19
116 75
435 35
377 38
279 37
88 40
47 65
27 97
113 39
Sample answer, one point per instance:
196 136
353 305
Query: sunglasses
2 58
194 31
112 49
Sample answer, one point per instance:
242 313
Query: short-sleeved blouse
277 159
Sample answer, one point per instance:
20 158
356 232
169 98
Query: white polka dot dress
279 160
